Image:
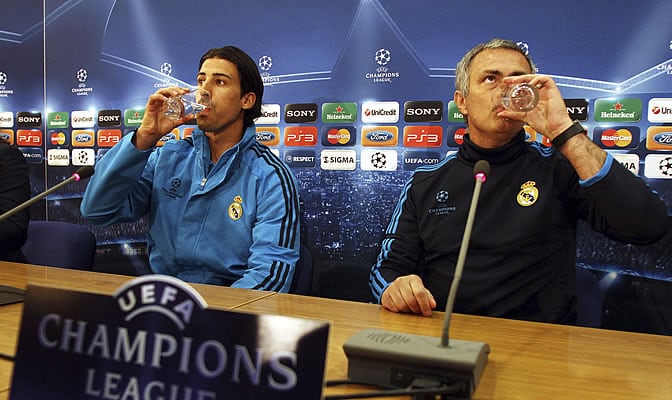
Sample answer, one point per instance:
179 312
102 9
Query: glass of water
191 102
520 97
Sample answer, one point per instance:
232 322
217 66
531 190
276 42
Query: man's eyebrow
216 74
499 73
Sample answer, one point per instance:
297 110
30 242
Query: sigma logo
380 112
423 136
300 158
629 161
300 136
338 160
380 136
109 118
82 119
660 110
423 111
58 157
28 120
577 109
268 135
82 138
270 115
301 113
6 119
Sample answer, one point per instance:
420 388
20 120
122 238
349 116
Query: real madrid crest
236 208
528 194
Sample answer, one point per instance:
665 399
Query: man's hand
155 124
408 294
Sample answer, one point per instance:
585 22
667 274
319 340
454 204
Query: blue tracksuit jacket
234 222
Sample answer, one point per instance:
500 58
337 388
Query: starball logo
382 74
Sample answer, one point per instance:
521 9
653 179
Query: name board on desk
155 338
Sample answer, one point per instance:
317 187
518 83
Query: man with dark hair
14 190
521 259
223 209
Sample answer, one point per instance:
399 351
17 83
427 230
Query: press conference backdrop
357 95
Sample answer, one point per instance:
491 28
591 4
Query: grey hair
462 70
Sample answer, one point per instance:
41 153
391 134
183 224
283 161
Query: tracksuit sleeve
623 207
120 189
400 252
275 246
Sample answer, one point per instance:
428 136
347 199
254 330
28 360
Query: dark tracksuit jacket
522 253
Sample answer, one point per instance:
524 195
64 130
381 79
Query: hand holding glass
191 102
520 97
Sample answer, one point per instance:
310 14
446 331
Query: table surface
527 359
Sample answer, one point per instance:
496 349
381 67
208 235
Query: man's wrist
573 130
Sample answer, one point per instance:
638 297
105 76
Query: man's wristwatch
573 130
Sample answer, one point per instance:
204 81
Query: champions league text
207 360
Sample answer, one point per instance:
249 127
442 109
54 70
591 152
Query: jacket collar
471 153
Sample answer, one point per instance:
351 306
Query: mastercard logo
616 137
57 138
338 136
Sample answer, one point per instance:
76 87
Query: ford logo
379 136
83 138
663 138
265 136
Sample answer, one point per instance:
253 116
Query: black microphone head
482 167
83 172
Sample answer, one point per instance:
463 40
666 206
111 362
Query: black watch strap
573 130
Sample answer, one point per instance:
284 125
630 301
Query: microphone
403 360
82 173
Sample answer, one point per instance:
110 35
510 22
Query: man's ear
248 100
460 102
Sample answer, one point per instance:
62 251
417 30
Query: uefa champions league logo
265 63
166 68
81 90
382 57
82 75
4 92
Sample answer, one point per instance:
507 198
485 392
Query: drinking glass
191 102
520 97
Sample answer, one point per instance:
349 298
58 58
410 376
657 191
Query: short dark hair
462 70
250 80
